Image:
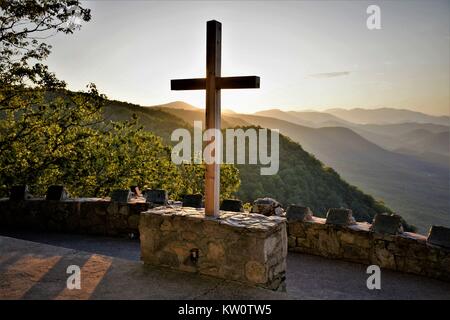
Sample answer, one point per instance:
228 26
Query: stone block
347 237
418 251
267 207
328 243
19 192
355 253
384 258
408 252
112 207
156 196
121 195
233 205
444 260
124 209
387 224
296 229
439 236
133 222
249 248
57 192
412 265
117 223
298 213
340 217
384 237
292 242
136 192
138 207
193 201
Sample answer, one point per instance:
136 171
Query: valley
411 184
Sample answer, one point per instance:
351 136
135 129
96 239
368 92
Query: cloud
329 74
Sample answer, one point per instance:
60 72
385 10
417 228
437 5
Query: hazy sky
309 55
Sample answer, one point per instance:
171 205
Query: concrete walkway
111 269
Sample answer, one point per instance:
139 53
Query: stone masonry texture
406 252
249 248
87 215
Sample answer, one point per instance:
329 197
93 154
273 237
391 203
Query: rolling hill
414 137
301 178
152 119
176 105
408 184
306 118
425 141
412 186
386 116
410 138
196 114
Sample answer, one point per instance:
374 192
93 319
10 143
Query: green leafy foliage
194 173
49 135
301 179
304 180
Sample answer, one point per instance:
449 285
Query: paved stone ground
111 269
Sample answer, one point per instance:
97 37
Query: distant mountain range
301 178
404 164
306 118
427 141
386 116
381 116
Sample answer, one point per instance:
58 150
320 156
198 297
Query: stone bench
249 248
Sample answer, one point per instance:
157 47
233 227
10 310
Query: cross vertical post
213 73
212 84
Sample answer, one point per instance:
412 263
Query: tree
195 173
40 122
50 135
23 26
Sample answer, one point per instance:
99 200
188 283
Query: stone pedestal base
249 248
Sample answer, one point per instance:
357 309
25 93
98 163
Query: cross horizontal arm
188 84
247 82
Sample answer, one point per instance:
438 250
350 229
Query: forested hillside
302 179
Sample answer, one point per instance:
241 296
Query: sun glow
312 55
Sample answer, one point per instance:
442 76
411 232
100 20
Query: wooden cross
213 83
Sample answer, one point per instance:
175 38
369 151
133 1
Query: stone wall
171 238
406 252
249 248
85 215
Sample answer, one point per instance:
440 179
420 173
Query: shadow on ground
111 269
